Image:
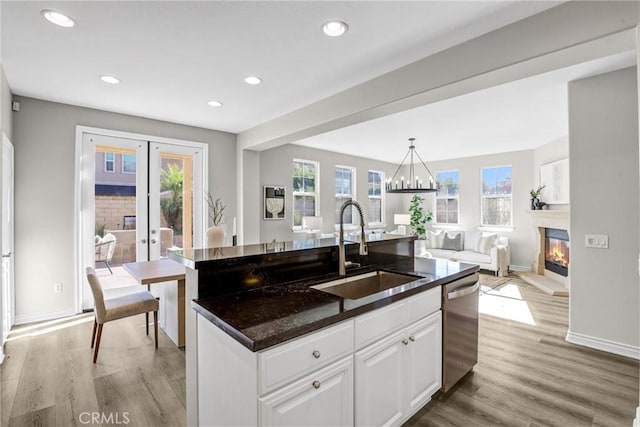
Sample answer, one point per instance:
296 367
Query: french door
140 199
8 305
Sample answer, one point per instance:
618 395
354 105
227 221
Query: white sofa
488 250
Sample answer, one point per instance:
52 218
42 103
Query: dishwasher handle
461 292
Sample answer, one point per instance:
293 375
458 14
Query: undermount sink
365 284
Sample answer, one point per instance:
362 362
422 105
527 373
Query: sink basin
365 284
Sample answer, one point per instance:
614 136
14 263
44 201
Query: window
305 190
109 162
128 163
345 191
447 197
496 202
376 205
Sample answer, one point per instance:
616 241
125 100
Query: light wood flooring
526 376
48 378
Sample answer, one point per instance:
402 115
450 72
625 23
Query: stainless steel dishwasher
459 329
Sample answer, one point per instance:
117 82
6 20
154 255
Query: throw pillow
453 243
434 239
485 243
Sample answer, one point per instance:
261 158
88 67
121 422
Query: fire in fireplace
556 253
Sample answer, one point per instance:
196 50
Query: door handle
143 241
154 241
463 291
7 255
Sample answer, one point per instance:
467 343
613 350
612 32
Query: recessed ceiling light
58 18
215 103
335 28
110 79
252 80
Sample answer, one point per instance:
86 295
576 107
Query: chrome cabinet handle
405 341
412 338
316 384
7 255
154 241
143 241
316 354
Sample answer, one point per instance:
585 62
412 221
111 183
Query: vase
534 203
215 237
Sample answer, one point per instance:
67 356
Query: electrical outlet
600 241
57 288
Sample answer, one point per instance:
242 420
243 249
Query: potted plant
215 233
418 216
535 196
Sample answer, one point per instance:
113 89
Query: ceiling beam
565 35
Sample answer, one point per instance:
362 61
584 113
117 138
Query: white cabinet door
323 398
380 382
424 354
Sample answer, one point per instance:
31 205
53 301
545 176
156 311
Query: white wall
521 237
603 155
7 129
44 140
276 169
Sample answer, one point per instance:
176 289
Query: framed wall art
555 177
274 202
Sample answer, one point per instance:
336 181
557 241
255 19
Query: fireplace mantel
547 219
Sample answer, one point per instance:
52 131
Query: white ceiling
520 115
173 57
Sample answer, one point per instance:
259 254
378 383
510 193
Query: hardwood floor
48 378
527 375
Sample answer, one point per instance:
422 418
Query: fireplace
556 251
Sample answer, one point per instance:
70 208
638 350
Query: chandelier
413 184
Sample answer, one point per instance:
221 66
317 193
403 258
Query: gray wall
276 169
521 237
603 155
5 108
44 143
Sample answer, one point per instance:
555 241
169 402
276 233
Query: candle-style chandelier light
414 184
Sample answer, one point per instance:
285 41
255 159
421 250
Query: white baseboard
39 317
604 345
636 421
519 267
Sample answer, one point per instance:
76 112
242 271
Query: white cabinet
398 374
324 398
380 382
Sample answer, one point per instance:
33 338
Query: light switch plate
600 241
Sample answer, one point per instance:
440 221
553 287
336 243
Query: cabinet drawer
424 303
283 364
380 323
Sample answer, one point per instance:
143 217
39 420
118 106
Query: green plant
100 229
171 180
216 208
418 216
536 193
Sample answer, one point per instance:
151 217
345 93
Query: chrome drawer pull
316 384
405 341
316 354
412 338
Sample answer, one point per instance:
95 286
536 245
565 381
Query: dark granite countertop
192 257
264 317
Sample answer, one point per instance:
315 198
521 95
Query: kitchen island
269 346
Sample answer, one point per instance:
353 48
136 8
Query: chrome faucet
342 263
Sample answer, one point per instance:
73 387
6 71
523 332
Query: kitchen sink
364 285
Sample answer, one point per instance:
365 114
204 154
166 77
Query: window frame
315 194
353 190
106 153
483 196
123 162
436 197
382 198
